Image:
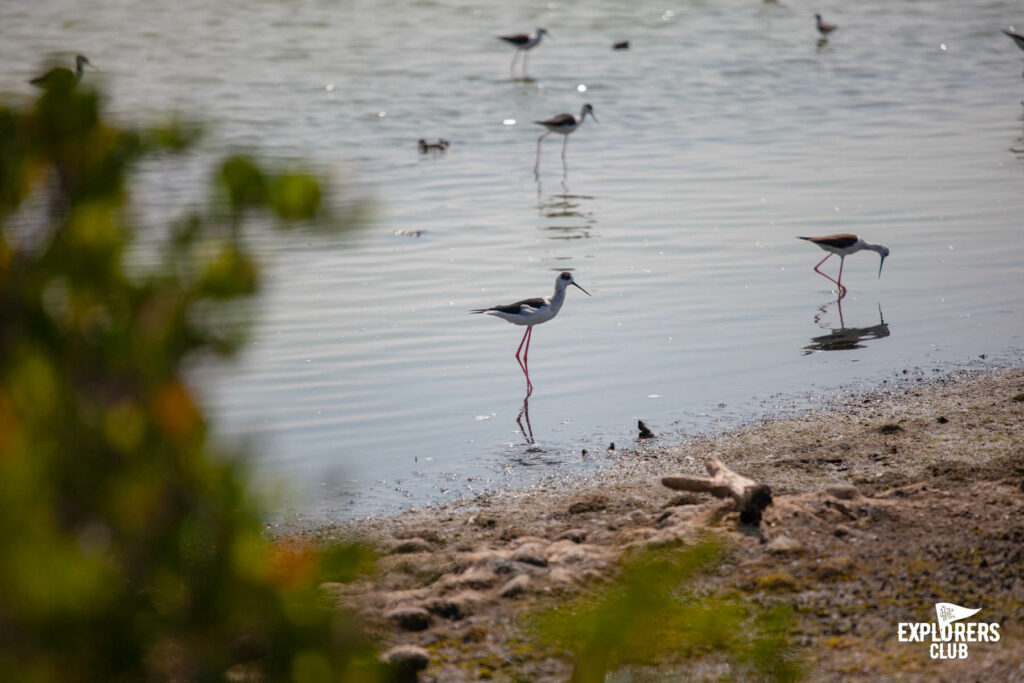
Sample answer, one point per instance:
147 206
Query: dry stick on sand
750 496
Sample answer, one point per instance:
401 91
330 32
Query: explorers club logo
949 637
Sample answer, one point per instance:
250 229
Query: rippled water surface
723 132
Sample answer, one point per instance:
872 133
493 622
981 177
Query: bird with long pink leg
563 124
532 312
844 244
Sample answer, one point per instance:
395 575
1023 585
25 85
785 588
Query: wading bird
1016 37
62 77
824 28
532 312
523 42
563 124
844 245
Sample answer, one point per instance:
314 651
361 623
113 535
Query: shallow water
724 132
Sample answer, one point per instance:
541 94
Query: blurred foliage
130 549
650 616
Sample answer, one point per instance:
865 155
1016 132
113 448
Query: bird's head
884 253
83 61
541 31
587 109
565 279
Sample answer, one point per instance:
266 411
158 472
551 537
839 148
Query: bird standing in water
844 245
532 312
62 77
523 42
824 28
563 124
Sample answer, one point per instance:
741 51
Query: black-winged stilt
824 28
563 124
844 245
523 42
532 312
61 76
1016 37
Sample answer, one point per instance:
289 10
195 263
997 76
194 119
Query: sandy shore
884 504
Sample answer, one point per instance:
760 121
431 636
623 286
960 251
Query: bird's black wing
58 76
517 39
560 120
1017 38
834 241
517 307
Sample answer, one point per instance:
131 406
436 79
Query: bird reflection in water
532 455
564 215
845 338
524 417
1017 147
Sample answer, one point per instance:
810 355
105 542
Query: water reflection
566 217
533 454
1018 146
524 416
844 338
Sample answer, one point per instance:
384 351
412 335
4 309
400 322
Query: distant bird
824 28
532 312
523 42
621 45
563 124
62 77
1016 37
844 245
440 146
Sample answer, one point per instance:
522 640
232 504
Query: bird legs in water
536 165
839 282
512 67
565 167
524 362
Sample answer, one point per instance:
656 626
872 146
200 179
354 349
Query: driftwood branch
751 497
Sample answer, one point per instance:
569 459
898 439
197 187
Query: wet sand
885 503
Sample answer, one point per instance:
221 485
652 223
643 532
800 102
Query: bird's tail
480 310
803 238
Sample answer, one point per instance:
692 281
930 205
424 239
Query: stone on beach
515 587
406 662
409 618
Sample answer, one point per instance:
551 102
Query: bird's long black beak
584 291
594 117
880 264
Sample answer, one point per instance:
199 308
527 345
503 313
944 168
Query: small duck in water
424 147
